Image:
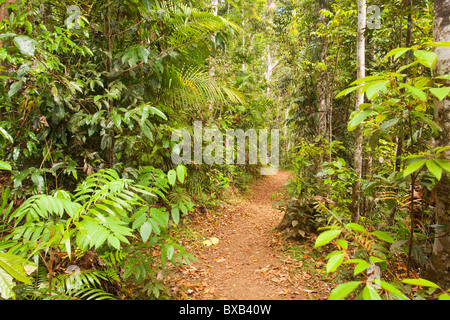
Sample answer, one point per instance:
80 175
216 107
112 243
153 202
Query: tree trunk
439 267
361 73
323 88
4 15
212 69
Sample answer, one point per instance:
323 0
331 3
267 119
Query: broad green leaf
134 58
5 166
367 79
440 93
414 91
6 285
169 252
147 132
427 58
397 52
439 150
375 259
373 89
370 293
343 290
335 261
15 87
444 77
356 227
145 231
365 106
390 288
347 91
114 242
413 167
343 243
434 168
361 267
326 237
172 177
359 117
143 54
388 124
38 180
444 164
14 266
117 120
407 66
420 282
438 44
26 45
158 113
383 236
444 296
138 219
5 133
160 217
181 173
175 215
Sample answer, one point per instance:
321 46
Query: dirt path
245 265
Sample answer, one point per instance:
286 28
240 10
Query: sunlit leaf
413 167
26 45
434 168
326 237
440 93
343 290
420 282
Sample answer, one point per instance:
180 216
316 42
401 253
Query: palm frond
191 86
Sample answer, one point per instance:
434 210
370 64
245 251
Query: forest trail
245 264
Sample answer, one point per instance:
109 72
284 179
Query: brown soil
247 263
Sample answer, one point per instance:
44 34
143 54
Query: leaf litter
242 256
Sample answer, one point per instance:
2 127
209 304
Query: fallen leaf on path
211 242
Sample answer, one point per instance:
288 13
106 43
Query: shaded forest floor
251 261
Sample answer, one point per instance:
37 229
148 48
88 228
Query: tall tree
361 73
323 89
439 267
212 69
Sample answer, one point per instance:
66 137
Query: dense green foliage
89 102
398 126
89 99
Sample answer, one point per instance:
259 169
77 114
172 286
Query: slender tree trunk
361 73
439 267
212 69
323 87
3 15
271 63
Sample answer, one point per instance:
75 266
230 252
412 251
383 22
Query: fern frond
191 86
